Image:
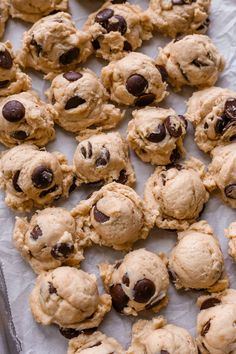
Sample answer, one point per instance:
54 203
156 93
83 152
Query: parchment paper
36 339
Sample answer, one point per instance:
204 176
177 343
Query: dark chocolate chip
198 63
72 76
13 111
143 290
158 135
205 328
125 279
123 177
62 250
104 157
19 135
173 129
42 177
230 191
127 47
15 182
51 288
211 302
70 333
36 233
95 345
230 108
119 298
117 24
48 191
136 85
68 57
163 72
37 46
175 155
6 61
74 102
99 216
103 16
206 126
96 44
118 264
145 100
221 123
4 83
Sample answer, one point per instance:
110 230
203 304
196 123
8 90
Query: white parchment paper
36 339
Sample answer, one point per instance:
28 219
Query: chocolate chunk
74 102
143 290
206 126
125 279
96 44
211 302
173 126
36 233
48 191
15 181
158 135
62 250
205 328
103 16
119 298
4 83
99 216
51 288
104 157
230 191
72 76
145 100
19 135
136 85
68 57
118 264
230 108
175 155
163 72
70 333
6 61
221 123
127 47
13 111
123 178
37 46
117 24
42 177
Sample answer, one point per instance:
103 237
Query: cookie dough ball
69 298
175 195
4 13
134 80
221 173
212 112
82 103
118 29
114 216
216 323
192 61
99 342
25 118
230 233
197 262
48 240
157 336
54 44
156 135
29 11
176 17
138 282
33 178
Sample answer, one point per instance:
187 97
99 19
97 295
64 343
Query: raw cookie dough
82 103
221 173
156 336
32 11
197 262
230 233
176 17
12 79
134 80
156 135
97 343
193 61
48 240
138 282
54 44
175 195
68 297
213 114
118 29
103 158
33 178
4 13
25 118
114 216
216 333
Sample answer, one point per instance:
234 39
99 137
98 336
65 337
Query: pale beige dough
32 11
230 233
212 112
216 332
33 178
174 19
96 343
103 157
193 61
114 216
68 297
54 44
82 103
118 74
117 29
175 195
197 262
156 135
156 336
12 79
36 125
4 14
138 282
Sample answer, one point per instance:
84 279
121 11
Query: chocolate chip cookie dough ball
103 158
33 178
230 233
192 61
68 297
96 342
197 262
212 112
134 80
54 44
114 216
175 195
216 323
4 13
176 17
31 11
156 135
138 282
117 29
157 336
82 103
25 118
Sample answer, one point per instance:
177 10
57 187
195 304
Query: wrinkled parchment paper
36 339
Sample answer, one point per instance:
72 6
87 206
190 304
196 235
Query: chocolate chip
37 46
87 153
70 333
48 191
230 108
174 129
205 25
211 302
163 72
118 264
62 250
145 100
95 345
221 123
198 63
206 126
51 289
119 298
68 57
233 137
127 46
42 177
13 111
99 216
15 181
123 177
136 85
164 352
117 24
103 16
19 135
104 157
125 279
143 290
175 155
230 191
205 328
4 83
158 135
72 76
74 102
36 233
96 44
6 61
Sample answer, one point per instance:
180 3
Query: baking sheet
36 339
